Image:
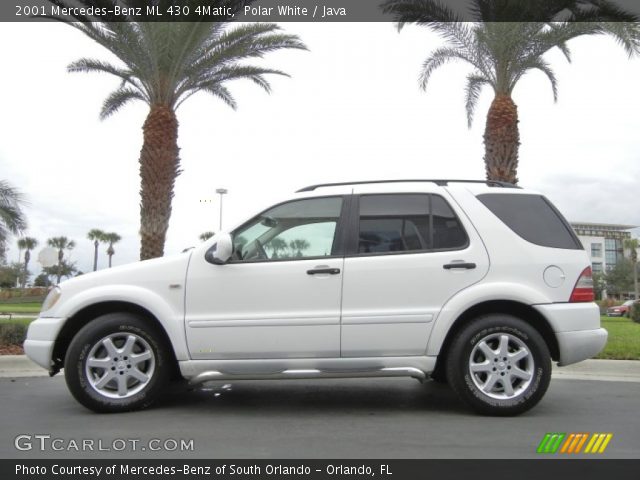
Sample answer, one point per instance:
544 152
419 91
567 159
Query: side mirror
221 251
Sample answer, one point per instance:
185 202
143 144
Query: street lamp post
221 192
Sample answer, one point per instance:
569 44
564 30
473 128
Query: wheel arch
88 313
508 307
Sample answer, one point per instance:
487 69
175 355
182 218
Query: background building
603 242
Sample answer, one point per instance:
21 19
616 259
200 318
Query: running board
215 375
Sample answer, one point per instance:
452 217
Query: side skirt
200 371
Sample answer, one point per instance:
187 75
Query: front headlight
52 299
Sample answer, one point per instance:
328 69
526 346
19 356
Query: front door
408 254
280 295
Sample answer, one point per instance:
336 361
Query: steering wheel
260 250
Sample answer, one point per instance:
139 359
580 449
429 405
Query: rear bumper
580 345
577 330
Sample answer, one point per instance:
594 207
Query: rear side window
407 223
533 218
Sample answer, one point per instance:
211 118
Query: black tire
118 327
497 401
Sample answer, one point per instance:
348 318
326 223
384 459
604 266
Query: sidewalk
603 370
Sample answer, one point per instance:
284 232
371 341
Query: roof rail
440 182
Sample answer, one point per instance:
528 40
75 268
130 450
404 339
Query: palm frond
220 92
475 82
89 65
429 13
438 58
543 66
12 218
118 99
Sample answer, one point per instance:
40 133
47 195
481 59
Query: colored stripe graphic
553 442
598 443
574 443
550 442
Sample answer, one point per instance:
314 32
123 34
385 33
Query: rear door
407 254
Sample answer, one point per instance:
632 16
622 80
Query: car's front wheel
117 362
499 365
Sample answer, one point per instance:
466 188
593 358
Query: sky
352 110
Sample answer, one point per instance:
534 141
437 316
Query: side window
407 223
533 218
293 230
447 229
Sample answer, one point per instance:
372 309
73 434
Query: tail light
583 291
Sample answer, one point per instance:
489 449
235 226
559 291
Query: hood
153 275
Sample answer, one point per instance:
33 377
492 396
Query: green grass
31 307
22 321
624 339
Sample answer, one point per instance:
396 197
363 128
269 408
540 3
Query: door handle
456 265
325 270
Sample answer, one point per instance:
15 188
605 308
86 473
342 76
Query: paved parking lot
385 418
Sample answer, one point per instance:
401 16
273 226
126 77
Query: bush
635 313
22 295
12 333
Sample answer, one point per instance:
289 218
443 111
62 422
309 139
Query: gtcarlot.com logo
574 443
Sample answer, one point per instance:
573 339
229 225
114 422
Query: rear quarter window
533 218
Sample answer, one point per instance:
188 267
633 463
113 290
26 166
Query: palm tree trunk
60 257
501 140
159 168
95 256
27 257
110 260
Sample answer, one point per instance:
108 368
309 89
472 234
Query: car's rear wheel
499 365
118 362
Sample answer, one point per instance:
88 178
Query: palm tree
62 269
111 238
163 64
97 236
62 244
12 218
632 244
508 40
298 246
277 245
27 244
204 236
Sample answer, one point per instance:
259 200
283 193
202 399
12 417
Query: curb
600 370
20 366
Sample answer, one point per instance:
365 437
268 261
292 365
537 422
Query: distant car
623 310
478 284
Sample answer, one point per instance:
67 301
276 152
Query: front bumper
41 338
577 330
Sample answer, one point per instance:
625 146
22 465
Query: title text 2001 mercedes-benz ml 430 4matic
478 284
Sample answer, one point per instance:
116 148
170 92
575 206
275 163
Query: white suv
478 284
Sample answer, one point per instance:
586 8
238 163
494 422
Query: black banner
496 469
301 10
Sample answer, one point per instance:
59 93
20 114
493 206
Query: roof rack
440 182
